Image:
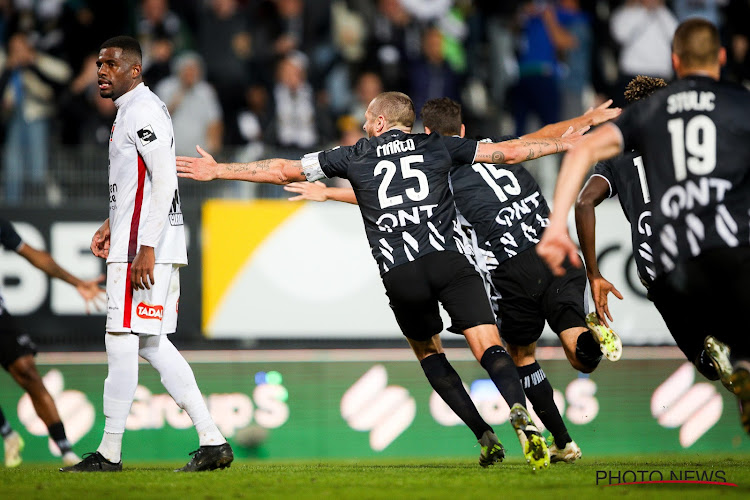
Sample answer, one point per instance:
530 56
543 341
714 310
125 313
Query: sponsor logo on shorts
147 311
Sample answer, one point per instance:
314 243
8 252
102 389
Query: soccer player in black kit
625 177
401 183
507 212
694 137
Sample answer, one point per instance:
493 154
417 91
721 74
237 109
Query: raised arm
605 142
591 118
273 171
593 193
317 191
520 150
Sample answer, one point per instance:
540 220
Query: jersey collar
128 96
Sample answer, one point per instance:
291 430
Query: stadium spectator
29 83
224 42
576 58
192 102
17 350
430 75
160 52
154 21
737 35
296 122
393 42
368 87
537 91
643 29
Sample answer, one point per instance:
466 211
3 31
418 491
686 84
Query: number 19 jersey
694 136
401 184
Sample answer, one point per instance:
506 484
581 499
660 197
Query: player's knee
24 372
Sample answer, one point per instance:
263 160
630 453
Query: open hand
312 191
198 169
602 113
600 289
93 293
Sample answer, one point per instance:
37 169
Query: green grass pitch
386 479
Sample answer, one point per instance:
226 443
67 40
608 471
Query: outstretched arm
593 193
591 118
520 150
89 290
273 171
605 142
317 191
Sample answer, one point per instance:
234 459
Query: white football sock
177 377
119 390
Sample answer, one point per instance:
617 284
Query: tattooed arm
519 150
273 171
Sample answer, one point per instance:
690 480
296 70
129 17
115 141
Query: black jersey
9 240
694 136
503 203
627 179
401 184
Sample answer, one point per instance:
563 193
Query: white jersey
144 203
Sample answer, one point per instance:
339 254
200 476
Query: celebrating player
143 241
624 176
694 138
505 208
17 351
401 182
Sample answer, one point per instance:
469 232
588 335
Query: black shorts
707 295
414 290
13 342
531 294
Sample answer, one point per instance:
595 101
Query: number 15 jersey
401 184
694 136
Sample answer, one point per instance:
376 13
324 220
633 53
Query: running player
143 241
624 176
506 210
17 351
699 185
401 182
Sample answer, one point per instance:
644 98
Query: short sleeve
151 127
604 170
461 151
9 238
334 162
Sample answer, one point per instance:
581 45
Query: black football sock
588 351
446 382
502 371
57 433
539 391
5 428
705 366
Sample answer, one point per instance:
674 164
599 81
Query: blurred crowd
297 75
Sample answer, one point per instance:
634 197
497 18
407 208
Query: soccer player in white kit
143 241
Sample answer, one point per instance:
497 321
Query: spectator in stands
737 34
576 56
394 42
224 42
193 104
29 82
430 75
538 90
296 123
368 87
160 54
154 22
643 29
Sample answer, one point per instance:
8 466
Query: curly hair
641 87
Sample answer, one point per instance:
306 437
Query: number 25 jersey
401 184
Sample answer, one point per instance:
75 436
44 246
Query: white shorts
150 312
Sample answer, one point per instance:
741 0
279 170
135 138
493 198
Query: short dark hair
442 115
696 42
641 87
396 107
128 44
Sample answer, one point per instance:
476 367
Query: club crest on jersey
147 311
146 135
